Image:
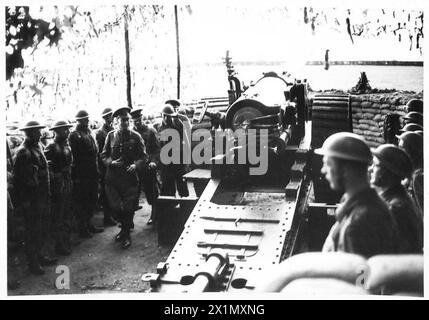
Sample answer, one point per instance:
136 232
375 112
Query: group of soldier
81 169
381 211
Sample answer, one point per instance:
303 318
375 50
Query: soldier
364 224
84 174
31 183
411 127
100 137
412 143
413 117
123 155
390 165
415 105
59 156
148 176
174 103
172 174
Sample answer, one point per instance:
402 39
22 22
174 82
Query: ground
98 264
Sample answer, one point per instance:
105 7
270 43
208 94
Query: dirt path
97 265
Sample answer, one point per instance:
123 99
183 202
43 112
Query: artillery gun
238 225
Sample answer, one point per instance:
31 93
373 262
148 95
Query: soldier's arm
24 172
155 147
141 156
106 154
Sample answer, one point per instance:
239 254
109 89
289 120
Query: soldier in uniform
412 143
172 174
390 165
123 155
364 224
413 117
59 156
100 137
84 174
31 183
148 175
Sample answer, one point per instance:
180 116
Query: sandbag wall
370 110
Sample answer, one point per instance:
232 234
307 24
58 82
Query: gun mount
238 225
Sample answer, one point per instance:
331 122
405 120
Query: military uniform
100 137
31 186
416 187
408 220
59 155
85 175
122 186
148 177
364 226
172 174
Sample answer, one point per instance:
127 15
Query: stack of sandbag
369 112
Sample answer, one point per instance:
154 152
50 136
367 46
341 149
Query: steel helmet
120 110
106 112
33 124
60 124
168 110
175 103
81 114
411 127
415 105
414 117
347 146
411 141
394 159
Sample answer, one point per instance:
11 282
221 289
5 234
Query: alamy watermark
230 147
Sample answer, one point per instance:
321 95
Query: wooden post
127 59
177 50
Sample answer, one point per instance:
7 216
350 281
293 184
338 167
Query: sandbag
394 273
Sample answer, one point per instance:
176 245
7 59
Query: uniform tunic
408 220
84 174
364 226
122 186
60 158
31 185
148 178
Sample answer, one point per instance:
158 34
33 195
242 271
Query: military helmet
33 124
411 127
347 146
419 132
169 110
175 103
411 141
60 124
120 110
394 159
414 117
106 112
136 113
415 105
81 114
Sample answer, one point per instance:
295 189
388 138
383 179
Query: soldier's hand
131 168
116 163
152 165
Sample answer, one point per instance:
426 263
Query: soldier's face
376 171
84 122
333 172
34 134
137 122
108 120
62 133
124 122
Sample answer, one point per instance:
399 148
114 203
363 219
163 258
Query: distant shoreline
367 63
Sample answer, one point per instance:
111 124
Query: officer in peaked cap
364 225
390 166
84 174
59 156
123 155
100 137
148 175
415 105
414 117
31 183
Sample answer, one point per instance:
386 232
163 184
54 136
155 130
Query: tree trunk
127 59
177 50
